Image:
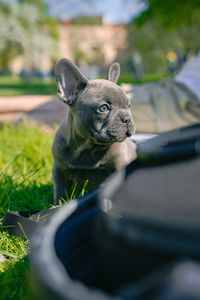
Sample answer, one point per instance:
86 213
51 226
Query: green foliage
26 30
153 45
45 21
172 25
79 55
98 56
172 13
181 16
87 21
41 6
95 57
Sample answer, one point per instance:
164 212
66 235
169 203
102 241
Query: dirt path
42 108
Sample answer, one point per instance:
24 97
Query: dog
91 142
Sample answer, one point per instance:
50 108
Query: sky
113 11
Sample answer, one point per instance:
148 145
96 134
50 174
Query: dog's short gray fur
91 142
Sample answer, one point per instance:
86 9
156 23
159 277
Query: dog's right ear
69 80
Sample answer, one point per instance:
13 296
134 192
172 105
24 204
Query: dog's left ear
70 80
114 72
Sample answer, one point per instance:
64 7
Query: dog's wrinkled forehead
100 90
74 87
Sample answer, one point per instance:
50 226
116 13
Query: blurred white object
137 138
2 258
190 75
90 72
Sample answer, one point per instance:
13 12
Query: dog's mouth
114 134
120 132
116 137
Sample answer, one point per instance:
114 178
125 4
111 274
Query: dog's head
100 109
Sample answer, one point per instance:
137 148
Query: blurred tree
165 26
80 57
171 13
182 16
26 30
46 21
98 56
87 21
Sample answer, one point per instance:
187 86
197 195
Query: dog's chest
90 159
94 177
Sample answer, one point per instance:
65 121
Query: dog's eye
103 108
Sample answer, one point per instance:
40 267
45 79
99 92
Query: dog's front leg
59 185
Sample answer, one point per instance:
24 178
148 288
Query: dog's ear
114 72
69 79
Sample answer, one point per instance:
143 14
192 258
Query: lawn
15 86
25 184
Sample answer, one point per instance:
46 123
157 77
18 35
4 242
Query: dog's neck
80 153
78 143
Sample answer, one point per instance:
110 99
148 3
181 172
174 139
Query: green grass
15 86
128 78
25 184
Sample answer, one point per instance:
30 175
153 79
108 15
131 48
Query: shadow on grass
24 196
51 113
14 280
14 270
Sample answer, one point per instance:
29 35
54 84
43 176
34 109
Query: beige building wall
110 39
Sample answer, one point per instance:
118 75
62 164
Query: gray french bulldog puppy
91 142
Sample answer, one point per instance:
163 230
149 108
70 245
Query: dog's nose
126 119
